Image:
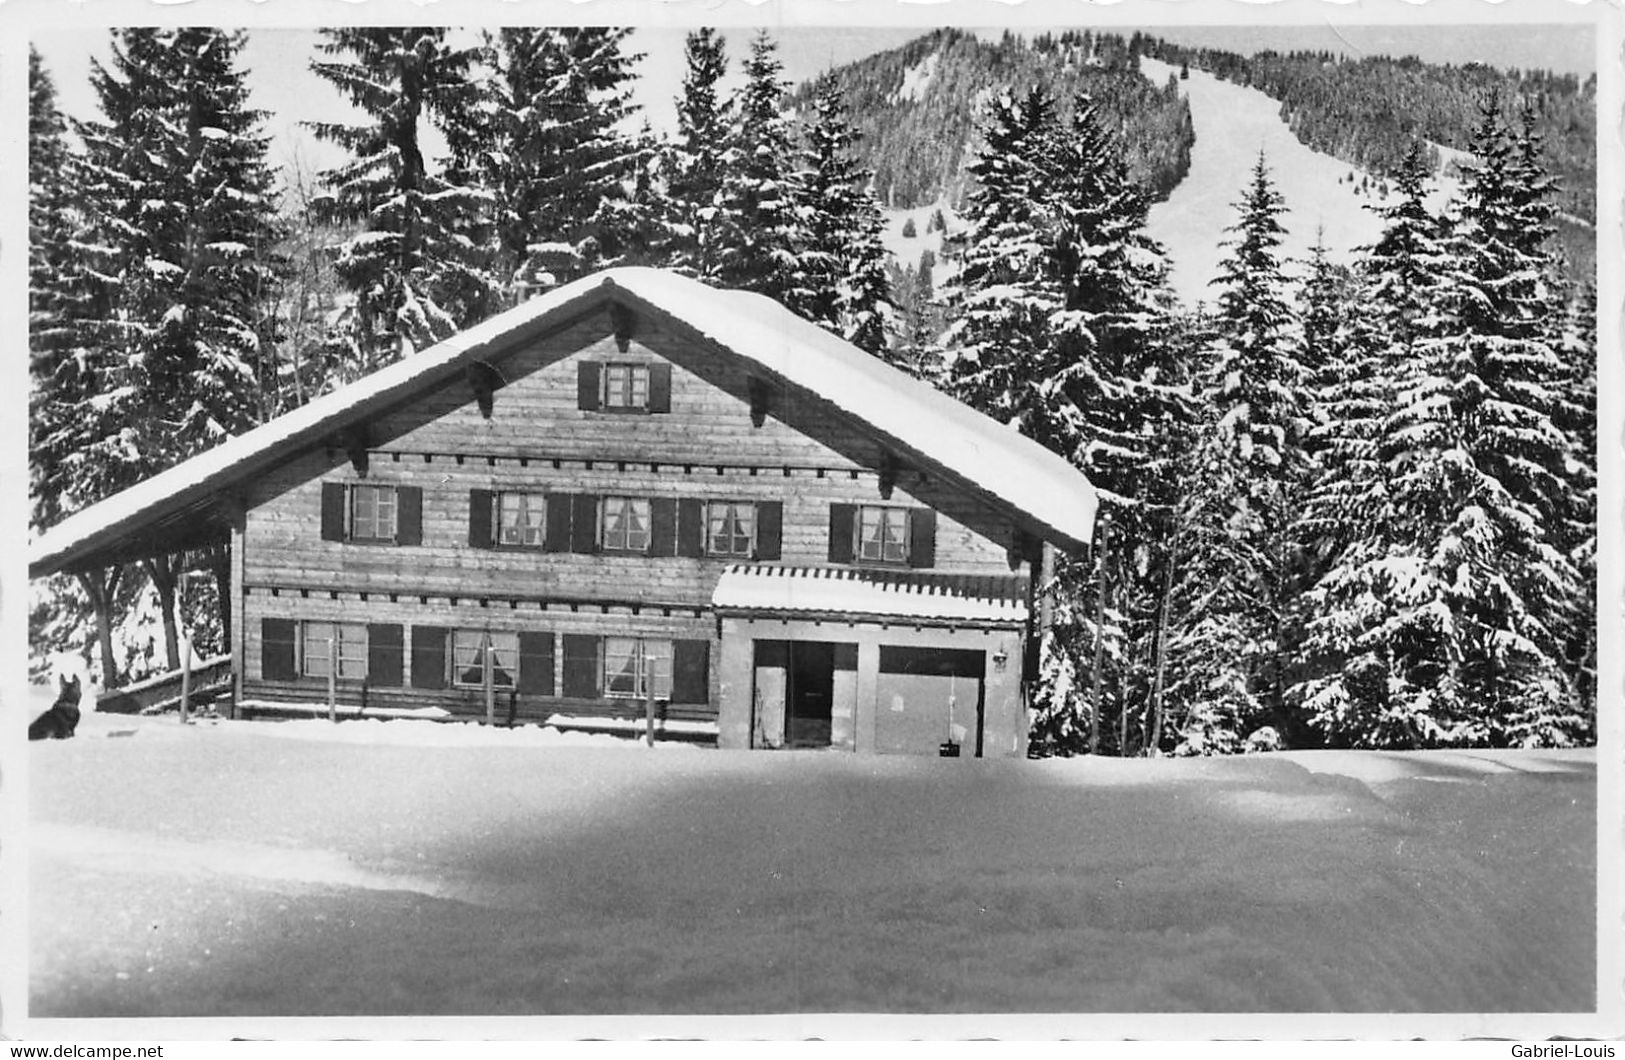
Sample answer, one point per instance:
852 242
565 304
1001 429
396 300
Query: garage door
926 697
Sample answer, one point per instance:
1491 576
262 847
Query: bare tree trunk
162 571
1159 682
1100 633
101 586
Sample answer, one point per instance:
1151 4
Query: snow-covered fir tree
545 138
759 226
414 270
849 291
1060 333
1441 623
167 279
59 385
693 163
1247 478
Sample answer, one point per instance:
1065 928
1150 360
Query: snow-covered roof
1042 490
908 595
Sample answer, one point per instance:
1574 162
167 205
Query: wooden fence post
488 677
333 680
186 681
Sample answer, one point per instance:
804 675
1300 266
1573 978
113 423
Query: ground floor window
469 648
325 640
633 667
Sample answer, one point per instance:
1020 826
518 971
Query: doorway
801 699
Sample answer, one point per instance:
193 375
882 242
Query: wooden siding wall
804 454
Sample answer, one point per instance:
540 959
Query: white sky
282 84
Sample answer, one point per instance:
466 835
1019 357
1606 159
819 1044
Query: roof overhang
925 597
195 503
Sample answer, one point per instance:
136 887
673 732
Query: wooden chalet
635 493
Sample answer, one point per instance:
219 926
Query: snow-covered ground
223 869
1233 124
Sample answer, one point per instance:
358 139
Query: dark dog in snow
59 722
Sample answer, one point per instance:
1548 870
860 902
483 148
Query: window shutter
587 385
922 537
770 529
841 519
556 538
690 527
384 650
580 666
691 671
277 636
428 657
662 526
333 494
408 515
583 522
480 503
660 388
536 663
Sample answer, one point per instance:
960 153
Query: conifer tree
1250 472
759 227
168 280
694 163
415 272
544 139
848 290
1443 624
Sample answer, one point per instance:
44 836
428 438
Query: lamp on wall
1000 657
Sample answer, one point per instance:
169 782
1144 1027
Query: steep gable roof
1038 488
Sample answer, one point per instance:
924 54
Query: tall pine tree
544 138
694 162
759 223
1236 636
414 271
849 291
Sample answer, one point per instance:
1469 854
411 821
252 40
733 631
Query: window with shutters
625 387
323 641
372 513
882 535
730 529
521 520
468 653
624 526
634 666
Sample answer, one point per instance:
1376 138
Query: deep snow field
257 869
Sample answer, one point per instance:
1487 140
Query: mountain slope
1232 125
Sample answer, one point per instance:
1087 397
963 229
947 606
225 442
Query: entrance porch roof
872 593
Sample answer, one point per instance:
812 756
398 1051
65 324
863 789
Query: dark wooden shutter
384 651
770 529
660 388
333 494
408 515
922 537
587 385
841 519
580 666
428 657
662 526
536 663
480 503
557 536
277 636
690 527
583 522
691 671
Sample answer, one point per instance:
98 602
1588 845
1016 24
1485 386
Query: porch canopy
913 596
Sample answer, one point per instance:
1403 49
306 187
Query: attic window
624 386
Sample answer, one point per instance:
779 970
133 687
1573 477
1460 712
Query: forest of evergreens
1356 509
